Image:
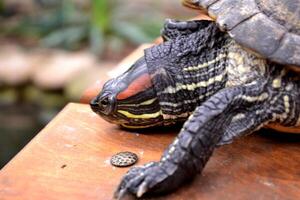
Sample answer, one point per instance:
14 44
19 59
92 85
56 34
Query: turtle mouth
112 118
140 126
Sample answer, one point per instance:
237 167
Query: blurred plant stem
100 24
101 14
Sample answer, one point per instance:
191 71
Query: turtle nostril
94 102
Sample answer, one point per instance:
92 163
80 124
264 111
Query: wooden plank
69 159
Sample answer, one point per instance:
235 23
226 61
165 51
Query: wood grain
69 159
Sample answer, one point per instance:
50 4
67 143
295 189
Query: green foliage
101 16
1 6
100 24
112 24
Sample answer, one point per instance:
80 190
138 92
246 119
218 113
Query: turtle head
129 99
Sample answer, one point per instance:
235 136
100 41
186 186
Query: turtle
271 28
203 77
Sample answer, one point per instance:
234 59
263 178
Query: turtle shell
268 27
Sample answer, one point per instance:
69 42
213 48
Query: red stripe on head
138 85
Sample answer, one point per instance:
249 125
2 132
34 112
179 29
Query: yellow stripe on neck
204 65
145 103
141 116
140 126
148 102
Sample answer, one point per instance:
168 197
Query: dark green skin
214 118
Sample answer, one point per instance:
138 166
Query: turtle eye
104 102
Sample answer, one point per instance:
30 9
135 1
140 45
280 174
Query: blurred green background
50 50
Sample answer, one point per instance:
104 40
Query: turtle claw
137 182
123 194
142 189
119 194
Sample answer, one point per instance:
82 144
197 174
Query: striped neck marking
141 116
207 64
193 86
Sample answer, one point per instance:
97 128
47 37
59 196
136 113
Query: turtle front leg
192 148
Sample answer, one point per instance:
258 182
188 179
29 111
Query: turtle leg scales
243 124
175 28
194 145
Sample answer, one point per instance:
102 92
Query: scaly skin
203 75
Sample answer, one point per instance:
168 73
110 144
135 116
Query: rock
15 67
61 68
